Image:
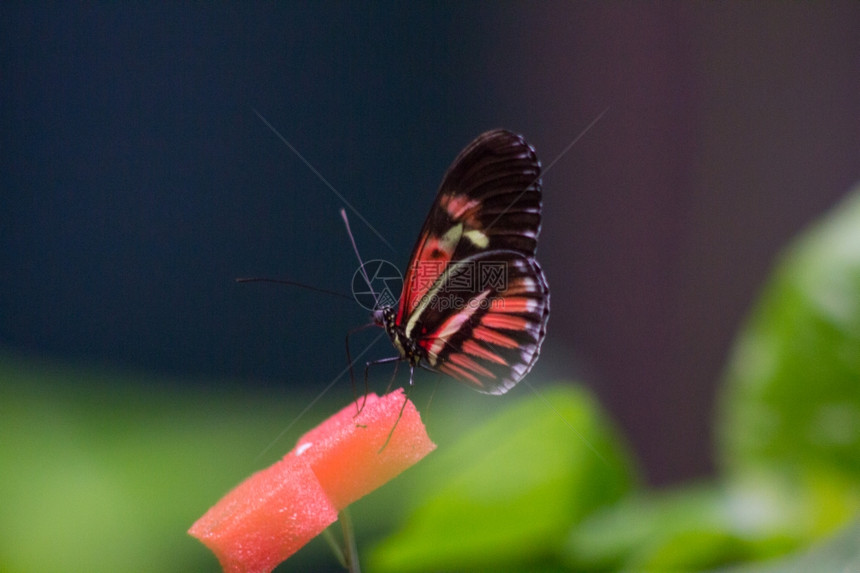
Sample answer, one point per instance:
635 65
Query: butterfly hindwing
490 338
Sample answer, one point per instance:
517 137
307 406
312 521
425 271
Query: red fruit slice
344 451
266 518
276 511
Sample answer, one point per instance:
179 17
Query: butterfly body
475 302
406 347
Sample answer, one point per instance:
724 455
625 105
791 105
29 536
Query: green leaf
692 528
791 405
508 492
839 553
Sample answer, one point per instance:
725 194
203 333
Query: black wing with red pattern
475 302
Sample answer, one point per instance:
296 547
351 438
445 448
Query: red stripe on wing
457 372
504 321
514 304
460 208
466 362
493 337
475 349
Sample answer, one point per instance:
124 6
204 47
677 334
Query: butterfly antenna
375 306
358 256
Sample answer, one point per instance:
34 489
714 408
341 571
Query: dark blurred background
137 181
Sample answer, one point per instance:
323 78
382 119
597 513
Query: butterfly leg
352 371
393 377
399 415
367 371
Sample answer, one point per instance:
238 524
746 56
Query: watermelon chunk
344 451
266 518
276 511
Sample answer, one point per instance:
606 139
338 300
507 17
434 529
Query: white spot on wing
478 238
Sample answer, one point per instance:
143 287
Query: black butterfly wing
475 300
489 199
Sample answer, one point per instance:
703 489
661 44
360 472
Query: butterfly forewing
490 199
475 302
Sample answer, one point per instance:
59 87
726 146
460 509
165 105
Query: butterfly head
384 317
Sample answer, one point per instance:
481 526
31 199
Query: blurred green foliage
790 410
512 488
106 472
102 471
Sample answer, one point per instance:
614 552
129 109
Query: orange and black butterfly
475 302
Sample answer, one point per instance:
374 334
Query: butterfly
475 302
